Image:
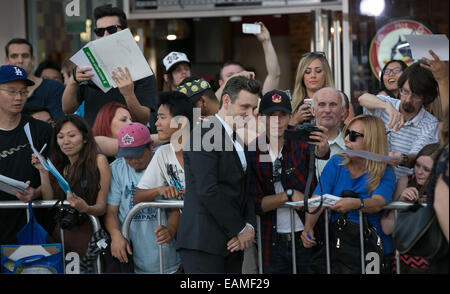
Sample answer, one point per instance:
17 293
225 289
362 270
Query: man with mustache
409 126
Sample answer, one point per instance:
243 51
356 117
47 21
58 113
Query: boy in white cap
135 153
177 67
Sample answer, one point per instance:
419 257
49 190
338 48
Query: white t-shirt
163 170
283 214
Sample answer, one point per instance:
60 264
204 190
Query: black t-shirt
145 90
15 162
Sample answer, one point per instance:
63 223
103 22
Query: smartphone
308 101
250 28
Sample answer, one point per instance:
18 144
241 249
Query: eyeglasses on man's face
100 32
13 93
406 93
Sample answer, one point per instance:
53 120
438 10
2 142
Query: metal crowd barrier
48 204
163 204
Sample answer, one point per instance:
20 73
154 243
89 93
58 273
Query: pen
309 236
43 147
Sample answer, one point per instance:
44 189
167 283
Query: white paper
370 155
28 250
328 200
61 181
420 44
81 60
120 49
48 165
10 185
113 51
30 140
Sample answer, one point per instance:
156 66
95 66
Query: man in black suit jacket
218 219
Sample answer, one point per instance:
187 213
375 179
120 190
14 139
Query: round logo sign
389 43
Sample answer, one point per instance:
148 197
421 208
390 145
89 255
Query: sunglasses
353 135
315 53
100 32
276 173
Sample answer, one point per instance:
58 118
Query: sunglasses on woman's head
353 135
316 53
100 32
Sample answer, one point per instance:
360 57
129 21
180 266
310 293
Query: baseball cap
174 58
10 73
193 88
133 138
275 100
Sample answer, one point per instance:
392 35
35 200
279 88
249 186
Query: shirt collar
419 116
339 140
228 129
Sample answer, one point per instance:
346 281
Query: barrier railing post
161 257
258 232
361 240
397 254
160 204
327 241
294 259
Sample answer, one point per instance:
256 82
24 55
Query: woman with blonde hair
372 181
313 74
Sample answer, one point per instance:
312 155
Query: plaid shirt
295 169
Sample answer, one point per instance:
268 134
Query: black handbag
345 246
417 232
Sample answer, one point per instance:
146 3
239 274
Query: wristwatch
404 160
289 193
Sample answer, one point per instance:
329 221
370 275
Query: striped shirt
336 146
412 137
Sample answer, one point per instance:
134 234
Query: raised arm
372 102
440 72
272 80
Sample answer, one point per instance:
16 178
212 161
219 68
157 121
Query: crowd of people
231 152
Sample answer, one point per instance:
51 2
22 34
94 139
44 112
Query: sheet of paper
370 155
10 185
48 165
61 181
120 50
26 128
328 200
28 250
81 60
420 44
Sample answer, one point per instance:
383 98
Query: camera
301 132
68 217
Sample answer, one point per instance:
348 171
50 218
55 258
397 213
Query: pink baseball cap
133 138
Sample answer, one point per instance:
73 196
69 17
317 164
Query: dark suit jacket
217 203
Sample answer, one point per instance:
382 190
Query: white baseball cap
174 58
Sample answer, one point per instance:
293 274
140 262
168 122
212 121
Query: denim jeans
281 259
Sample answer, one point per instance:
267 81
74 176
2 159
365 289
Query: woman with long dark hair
389 76
73 152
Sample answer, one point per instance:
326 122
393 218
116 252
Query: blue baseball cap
10 73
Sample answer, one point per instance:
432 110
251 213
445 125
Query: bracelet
74 71
362 204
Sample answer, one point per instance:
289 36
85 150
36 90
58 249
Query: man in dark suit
218 219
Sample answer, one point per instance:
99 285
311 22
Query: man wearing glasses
15 151
409 126
281 169
140 96
44 92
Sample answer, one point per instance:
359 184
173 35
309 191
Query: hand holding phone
250 28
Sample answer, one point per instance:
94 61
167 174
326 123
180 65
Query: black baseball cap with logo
275 100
